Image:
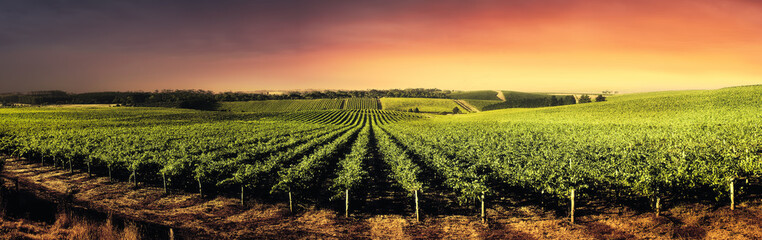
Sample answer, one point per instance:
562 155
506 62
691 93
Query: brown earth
225 218
500 95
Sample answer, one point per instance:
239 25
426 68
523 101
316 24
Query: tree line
201 99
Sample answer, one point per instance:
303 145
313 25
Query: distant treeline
194 99
199 99
373 93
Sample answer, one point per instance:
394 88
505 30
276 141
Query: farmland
423 104
481 104
475 95
652 148
283 105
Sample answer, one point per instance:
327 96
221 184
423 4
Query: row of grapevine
271 106
362 103
403 170
461 175
350 117
303 175
265 173
557 160
351 172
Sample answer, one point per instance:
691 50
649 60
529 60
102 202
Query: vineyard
279 106
350 117
475 95
283 105
428 105
362 103
653 148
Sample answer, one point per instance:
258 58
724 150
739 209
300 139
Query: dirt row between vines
225 218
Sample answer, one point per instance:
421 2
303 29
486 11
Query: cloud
287 43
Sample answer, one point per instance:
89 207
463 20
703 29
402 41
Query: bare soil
225 218
500 95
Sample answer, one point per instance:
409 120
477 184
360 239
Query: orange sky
557 46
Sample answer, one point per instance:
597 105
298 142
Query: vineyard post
135 177
71 170
346 203
164 180
89 174
732 199
658 205
242 189
109 174
483 216
200 191
290 203
417 217
572 205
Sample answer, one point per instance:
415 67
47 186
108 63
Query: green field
635 147
475 95
427 105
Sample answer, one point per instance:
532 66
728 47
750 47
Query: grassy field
475 95
427 105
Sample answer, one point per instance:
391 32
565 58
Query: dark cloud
216 26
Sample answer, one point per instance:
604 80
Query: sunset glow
547 45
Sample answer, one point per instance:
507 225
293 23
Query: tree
456 110
600 98
585 99
552 101
416 110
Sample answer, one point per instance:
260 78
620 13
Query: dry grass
67 227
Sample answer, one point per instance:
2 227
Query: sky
523 45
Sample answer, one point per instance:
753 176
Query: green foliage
600 98
351 171
270 106
427 105
481 104
403 170
349 117
362 103
650 144
585 99
528 100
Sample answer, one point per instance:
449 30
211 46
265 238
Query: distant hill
428 105
474 95
721 106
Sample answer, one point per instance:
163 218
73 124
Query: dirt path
500 95
225 218
466 105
